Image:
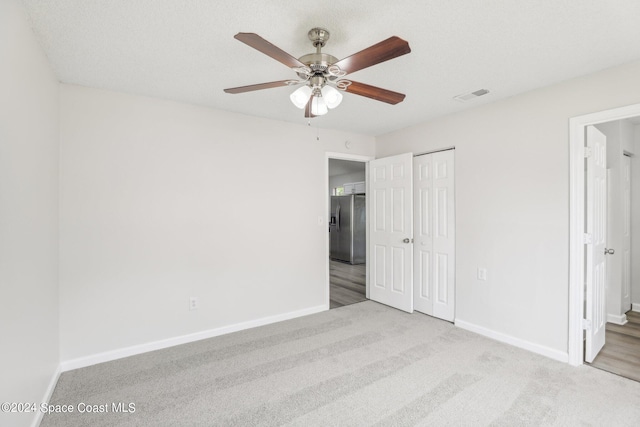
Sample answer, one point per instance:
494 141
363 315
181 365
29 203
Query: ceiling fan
322 75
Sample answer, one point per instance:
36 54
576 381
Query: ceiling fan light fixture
300 96
318 106
332 96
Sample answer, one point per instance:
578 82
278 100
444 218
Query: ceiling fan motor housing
318 62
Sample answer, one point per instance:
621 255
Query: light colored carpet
364 364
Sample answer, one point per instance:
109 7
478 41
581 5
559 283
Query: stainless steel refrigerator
347 228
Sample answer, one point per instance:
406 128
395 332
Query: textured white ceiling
185 50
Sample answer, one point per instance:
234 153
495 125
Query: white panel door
423 231
597 229
390 231
626 234
434 228
443 235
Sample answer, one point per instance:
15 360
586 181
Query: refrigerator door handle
338 218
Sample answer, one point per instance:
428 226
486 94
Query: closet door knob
609 251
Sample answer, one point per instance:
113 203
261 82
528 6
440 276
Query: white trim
347 156
355 158
517 342
617 319
47 395
107 356
576 220
367 288
635 307
576 242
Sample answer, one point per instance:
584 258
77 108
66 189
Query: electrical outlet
482 274
193 303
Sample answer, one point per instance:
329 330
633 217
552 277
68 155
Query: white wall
512 202
627 137
28 216
161 201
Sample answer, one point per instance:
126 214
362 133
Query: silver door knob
609 251
406 240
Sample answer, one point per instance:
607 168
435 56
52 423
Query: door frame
354 158
577 181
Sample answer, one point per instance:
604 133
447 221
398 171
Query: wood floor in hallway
347 283
621 352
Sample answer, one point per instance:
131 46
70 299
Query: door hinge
586 324
587 239
587 152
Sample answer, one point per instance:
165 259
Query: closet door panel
434 241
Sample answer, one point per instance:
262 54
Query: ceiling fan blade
373 92
260 86
383 51
307 109
258 43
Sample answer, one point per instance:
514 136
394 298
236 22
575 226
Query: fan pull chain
317 129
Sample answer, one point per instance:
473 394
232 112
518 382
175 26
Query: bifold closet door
390 222
434 231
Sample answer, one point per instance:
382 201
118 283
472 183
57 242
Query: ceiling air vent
469 96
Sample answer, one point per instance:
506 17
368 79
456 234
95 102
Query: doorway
620 353
347 230
621 330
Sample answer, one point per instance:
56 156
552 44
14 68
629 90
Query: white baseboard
517 342
617 319
108 356
635 307
47 396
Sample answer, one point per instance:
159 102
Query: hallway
621 353
348 283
